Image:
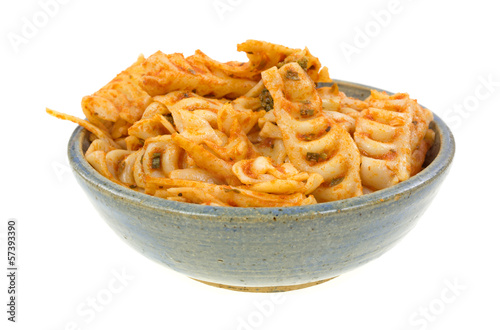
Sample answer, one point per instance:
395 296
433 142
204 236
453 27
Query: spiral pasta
121 101
164 73
249 134
390 135
313 141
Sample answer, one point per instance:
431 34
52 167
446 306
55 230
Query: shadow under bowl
266 249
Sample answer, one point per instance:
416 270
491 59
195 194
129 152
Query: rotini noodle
313 142
387 134
249 134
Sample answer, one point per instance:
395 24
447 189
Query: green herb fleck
305 112
308 137
292 75
303 62
316 157
169 118
156 160
133 186
336 181
266 100
232 190
191 71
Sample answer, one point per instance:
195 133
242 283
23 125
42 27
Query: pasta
249 134
313 141
390 134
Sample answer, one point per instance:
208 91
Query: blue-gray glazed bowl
266 249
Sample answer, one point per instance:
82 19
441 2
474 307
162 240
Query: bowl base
264 289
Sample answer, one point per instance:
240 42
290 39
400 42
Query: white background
443 275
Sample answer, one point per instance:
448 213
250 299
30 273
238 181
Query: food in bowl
250 134
266 249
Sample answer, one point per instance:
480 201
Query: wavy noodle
383 136
99 133
237 146
249 134
313 142
260 174
123 98
337 101
227 194
421 137
165 73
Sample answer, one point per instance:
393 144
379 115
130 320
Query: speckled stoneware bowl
266 249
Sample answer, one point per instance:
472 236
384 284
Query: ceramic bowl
266 249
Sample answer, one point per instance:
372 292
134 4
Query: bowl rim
438 166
